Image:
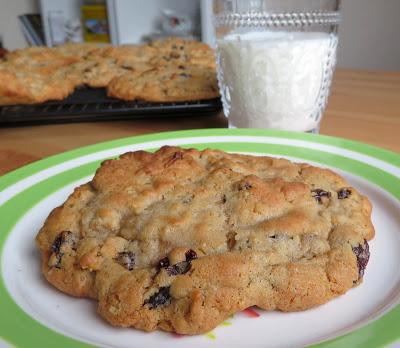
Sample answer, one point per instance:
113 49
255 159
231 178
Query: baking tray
92 104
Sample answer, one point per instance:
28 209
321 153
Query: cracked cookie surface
166 83
179 240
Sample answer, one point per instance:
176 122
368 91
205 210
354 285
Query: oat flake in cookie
179 240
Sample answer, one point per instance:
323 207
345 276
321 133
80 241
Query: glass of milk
275 61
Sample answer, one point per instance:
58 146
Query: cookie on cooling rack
166 84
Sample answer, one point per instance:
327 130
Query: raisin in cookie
166 83
179 240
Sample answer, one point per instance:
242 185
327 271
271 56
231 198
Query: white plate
29 194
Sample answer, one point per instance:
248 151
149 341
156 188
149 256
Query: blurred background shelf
369 31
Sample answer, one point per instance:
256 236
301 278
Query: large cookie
38 74
100 68
31 87
177 51
181 239
166 83
42 60
132 57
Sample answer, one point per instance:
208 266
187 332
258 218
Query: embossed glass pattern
275 61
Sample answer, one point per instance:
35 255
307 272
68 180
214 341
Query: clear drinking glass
275 61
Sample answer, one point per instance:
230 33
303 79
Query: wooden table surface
363 106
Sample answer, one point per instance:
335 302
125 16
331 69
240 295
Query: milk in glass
276 79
